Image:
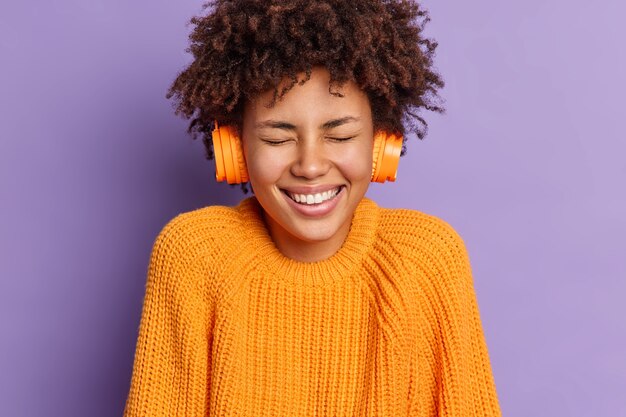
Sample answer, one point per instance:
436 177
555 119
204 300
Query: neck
303 250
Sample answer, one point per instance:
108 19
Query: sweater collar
342 263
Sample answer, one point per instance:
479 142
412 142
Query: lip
315 210
311 190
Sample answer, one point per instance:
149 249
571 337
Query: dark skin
245 48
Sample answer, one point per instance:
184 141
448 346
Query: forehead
311 100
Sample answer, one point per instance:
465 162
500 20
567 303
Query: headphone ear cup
228 155
239 161
220 166
387 148
230 164
379 143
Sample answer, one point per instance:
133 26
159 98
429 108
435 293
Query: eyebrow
277 124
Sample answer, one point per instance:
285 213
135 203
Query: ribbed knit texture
388 326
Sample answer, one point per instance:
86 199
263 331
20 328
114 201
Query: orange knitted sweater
388 326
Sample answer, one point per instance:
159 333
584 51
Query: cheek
264 167
356 163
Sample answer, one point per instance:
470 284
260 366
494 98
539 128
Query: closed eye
275 142
342 139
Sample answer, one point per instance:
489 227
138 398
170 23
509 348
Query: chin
314 233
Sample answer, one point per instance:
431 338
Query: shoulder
425 240
189 249
194 227
410 226
432 248
197 234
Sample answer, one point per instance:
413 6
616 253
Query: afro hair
242 48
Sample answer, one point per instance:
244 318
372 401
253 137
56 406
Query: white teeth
314 198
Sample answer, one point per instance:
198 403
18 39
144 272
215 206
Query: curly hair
245 47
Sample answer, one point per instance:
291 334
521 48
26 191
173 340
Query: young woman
309 299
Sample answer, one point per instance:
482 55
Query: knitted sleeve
458 379
169 376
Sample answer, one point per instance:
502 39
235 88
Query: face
309 161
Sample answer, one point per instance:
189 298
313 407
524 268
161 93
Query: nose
311 161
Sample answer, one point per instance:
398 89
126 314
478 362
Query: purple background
527 165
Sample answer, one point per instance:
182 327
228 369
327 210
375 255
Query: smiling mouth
312 199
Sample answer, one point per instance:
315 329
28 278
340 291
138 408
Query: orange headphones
231 166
